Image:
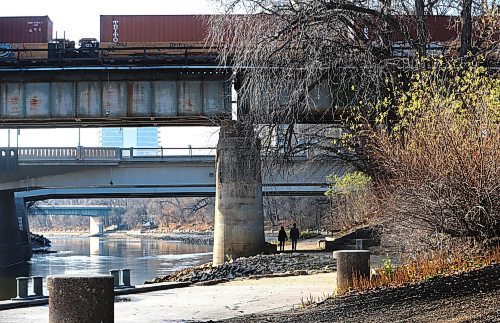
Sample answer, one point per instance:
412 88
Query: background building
145 137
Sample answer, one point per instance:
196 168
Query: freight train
168 37
121 37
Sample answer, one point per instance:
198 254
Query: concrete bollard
116 277
126 277
76 299
22 287
38 286
351 263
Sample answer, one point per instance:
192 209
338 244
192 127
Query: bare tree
305 60
182 211
421 32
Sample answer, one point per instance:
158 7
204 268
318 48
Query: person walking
294 236
282 237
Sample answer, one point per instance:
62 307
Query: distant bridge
75 210
94 212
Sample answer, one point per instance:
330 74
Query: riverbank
207 303
199 237
69 234
189 237
278 265
467 297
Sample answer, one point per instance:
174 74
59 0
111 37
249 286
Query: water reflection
146 258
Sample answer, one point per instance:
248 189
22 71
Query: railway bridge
95 213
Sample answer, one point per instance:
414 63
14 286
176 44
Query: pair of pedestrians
294 236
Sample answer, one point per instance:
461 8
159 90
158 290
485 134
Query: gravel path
470 297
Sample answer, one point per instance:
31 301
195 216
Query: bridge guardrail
127 153
106 153
117 154
67 153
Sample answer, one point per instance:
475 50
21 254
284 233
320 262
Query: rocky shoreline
255 267
39 243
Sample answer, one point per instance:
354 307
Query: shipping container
29 29
439 28
169 29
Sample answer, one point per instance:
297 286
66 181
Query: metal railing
166 152
107 153
125 154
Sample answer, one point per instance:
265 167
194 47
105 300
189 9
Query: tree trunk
421 32
466 20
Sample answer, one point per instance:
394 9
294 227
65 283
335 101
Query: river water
97 255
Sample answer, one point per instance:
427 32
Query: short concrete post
126 277
22 287
76 299
38 286
350 264
116 277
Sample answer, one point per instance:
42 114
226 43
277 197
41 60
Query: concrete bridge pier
96 225
239 220
14 238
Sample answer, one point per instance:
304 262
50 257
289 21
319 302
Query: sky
80 19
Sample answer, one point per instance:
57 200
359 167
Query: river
97 255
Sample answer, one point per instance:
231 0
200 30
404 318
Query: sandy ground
203 303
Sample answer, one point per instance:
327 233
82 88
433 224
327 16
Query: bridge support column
14 238
96 225
239 220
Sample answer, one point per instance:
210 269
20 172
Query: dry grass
426 267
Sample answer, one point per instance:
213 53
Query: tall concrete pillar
96 225
239 219
14 238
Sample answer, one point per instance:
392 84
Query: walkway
203 303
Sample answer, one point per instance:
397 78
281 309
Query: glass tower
145 137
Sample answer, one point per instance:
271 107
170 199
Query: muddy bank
469 297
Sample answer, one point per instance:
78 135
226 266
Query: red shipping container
154 29
29 29
439 28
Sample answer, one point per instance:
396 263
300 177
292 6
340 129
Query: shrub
441 263
349 195
437 159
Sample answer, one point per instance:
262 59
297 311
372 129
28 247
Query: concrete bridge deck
158 171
